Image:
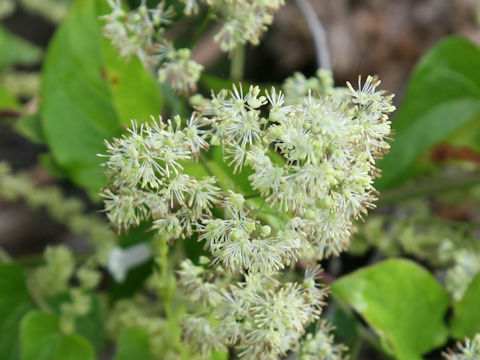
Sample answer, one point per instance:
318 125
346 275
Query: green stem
252 196
202 27
429 188
238 63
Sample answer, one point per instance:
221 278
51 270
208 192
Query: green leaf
133 343
50 165
402 302
41 340
443 96
7 100
30 126
88 94
14 304
14 50
466 318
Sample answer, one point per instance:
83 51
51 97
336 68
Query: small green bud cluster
70 212
466 265
469 350
297 86
141 33
141 312
53 277
21 84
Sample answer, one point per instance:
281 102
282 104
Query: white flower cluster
244 20
148 183
260 317
470 350
141 33
313 165
134 33
328 149
177 68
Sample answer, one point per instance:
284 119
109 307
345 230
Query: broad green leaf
14 50
89 93
402 302
466 313
30 126
133 343
14 303
50 165
443 96
41 340
7 100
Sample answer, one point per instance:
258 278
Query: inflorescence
311 166
141 33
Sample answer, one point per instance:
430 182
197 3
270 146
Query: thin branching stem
318 32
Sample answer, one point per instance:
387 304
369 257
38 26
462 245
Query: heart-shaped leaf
402 302
41 340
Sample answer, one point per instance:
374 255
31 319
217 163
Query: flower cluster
244 20
297 86
259 316
149 182
141 33
470 350
134 33
466 265
177 68
320 346
312 165
142 314
53 278
327 150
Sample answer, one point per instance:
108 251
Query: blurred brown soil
371 36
